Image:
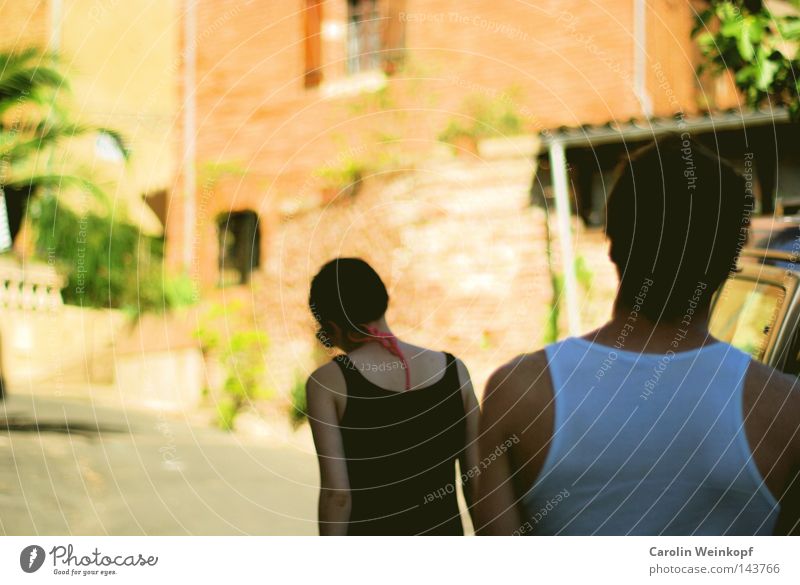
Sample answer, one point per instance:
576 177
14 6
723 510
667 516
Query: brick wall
455 238
571 61
460 249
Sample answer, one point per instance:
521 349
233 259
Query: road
69 467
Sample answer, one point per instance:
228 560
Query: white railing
29 287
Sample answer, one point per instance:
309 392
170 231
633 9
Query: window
363 36
239 246
375 35
313 43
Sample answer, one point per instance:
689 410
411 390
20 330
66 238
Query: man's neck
631 332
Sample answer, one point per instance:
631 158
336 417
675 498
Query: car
758 309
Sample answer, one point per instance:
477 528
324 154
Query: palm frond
16 56
57 181
29 139
33 76
24 77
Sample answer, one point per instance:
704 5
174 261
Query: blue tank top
648 444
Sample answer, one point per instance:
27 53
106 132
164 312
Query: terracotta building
418 134
311 128
279 89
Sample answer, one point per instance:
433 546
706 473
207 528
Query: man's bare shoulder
772 404
772 385
522 379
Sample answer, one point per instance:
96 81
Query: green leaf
766 74
706 42
701 21
745 44
789 30
746 75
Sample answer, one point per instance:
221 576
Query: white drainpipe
189 134
558 171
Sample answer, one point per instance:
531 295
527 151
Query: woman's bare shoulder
326 377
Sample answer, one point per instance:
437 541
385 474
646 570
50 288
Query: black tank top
401 449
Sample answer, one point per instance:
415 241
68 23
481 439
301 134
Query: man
649 425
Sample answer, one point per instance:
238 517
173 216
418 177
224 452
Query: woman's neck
364 334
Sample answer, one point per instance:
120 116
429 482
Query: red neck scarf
389 342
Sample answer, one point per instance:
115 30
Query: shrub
225 333
108 263
344 177
297 405
485 117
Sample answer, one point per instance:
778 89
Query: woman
389 418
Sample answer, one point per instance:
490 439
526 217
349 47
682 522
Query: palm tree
34 122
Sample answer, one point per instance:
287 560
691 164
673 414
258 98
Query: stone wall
462 253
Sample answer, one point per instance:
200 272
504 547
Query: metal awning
636 130
556 141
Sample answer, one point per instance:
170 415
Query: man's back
644 443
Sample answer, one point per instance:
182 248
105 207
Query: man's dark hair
677 217
349 293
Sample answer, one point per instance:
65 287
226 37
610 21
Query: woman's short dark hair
349 293
677 218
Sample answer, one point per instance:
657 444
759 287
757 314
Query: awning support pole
558 170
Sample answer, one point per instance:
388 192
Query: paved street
67 467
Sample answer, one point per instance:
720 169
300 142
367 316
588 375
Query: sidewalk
71 467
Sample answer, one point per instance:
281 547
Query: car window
744 314
792 365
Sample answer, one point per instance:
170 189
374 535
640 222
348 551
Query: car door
756 311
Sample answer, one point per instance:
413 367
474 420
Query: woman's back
389 418
401 446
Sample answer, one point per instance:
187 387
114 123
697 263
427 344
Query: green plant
243 358
758 46
226 333
226 415
107 263
297 401
550 334
371 101
211 322
344 176
483 116
583 275
211 173
457 128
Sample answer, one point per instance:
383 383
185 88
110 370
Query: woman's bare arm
468 461
323 389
